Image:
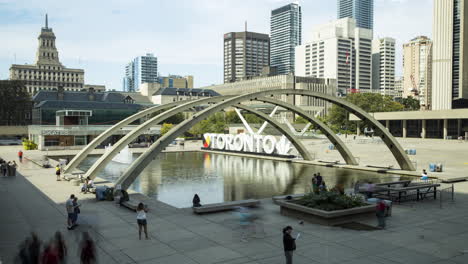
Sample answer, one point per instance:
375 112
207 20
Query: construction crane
415 87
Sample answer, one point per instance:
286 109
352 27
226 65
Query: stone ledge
329 218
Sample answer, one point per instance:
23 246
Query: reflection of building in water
251 178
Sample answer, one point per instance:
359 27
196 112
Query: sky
186 35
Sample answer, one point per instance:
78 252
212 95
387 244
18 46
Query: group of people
73 210
32 250
6 167
318 184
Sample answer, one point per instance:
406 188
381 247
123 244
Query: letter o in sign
238 142
269 143
220 142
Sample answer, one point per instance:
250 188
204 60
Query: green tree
15 103
165 128
300 120
175 119
410 104
337 117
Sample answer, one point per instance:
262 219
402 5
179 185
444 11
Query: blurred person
196 201
20 155
87 250
34 249
50 254
61 247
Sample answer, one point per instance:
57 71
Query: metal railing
446 195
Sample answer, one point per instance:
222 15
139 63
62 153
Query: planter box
329 218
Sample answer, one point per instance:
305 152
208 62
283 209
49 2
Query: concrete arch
334 139
127 139
142 161
110 131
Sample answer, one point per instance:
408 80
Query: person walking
34 249
3 168
57 172
70 211
50 254
88 250
289 244
380 213
20 155
141 220
76 211
61 247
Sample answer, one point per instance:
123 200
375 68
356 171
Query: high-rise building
245 55
145 69
399 86
286 34
142 69
383 66
449 54
417 70
128 80
48 73
341 51
361 10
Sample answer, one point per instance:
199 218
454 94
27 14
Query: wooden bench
218 207
283 197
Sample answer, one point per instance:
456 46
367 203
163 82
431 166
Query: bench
421 191
455 179
405 183
132 205
218 207
283 197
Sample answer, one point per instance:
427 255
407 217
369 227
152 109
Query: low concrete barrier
218 207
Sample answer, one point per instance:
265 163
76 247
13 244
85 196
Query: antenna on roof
246 26
46 21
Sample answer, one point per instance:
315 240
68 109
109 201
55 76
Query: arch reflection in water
174 178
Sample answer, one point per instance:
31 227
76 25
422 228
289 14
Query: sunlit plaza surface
417 232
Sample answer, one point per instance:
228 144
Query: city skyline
103 41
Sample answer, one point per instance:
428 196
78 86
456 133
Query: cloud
102 36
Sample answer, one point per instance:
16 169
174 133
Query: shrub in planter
330 201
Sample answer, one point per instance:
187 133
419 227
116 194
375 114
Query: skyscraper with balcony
449 54
361 10
245 55
383 66
286 34
341 51
417 70
142 69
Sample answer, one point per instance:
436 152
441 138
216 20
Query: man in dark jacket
289 244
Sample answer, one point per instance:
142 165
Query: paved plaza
416 232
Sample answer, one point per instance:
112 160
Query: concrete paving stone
460 259
117 231
253 248
241 260
330 252
435 249
175 258
131 242
216 254
209 228
227 237
186 245
368 260
368 245
149 252
186 220
403 255
280 259
169 235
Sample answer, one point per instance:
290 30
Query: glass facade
361 10
143 69
286 34
456 50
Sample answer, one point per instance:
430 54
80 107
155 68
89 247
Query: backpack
109 194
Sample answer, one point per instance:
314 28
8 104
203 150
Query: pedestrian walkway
34 201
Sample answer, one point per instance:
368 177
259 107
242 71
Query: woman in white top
141 219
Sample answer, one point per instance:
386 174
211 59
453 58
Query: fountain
124 156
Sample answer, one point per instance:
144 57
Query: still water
174 178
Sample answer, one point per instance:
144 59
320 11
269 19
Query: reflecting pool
174 178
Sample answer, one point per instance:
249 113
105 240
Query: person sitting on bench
196 201
88 184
